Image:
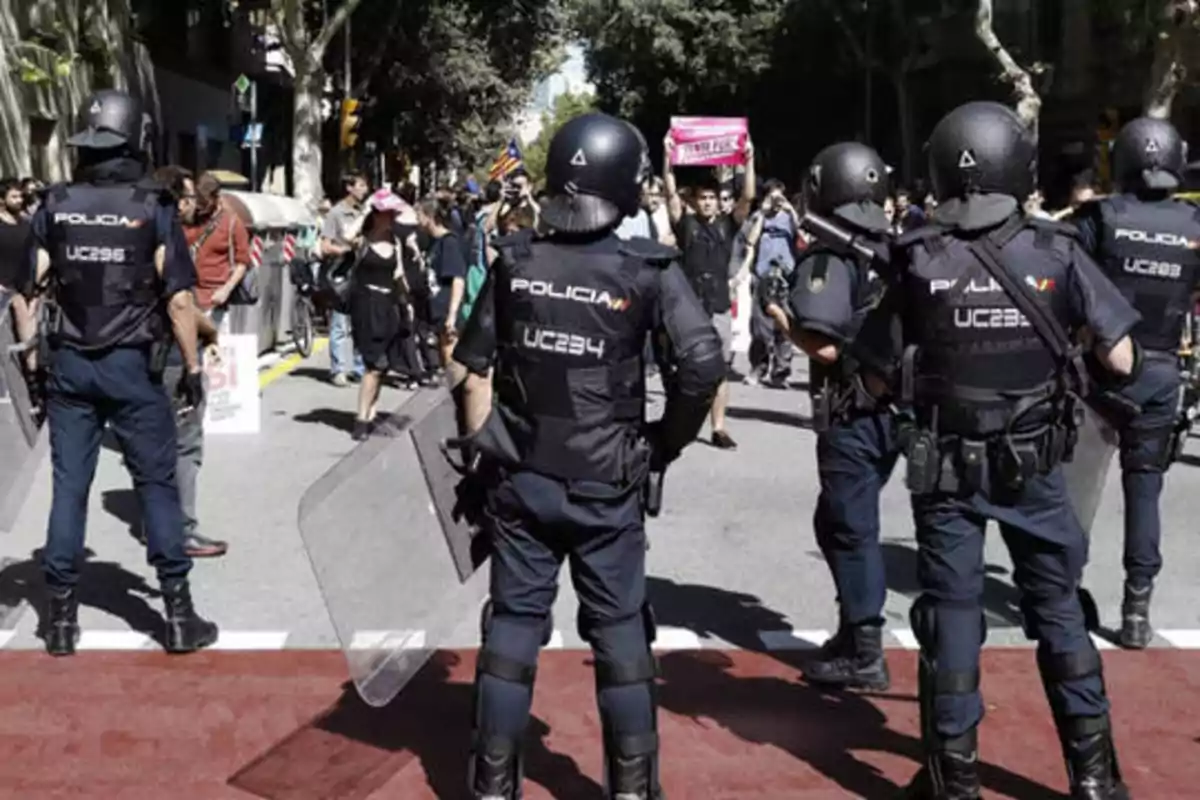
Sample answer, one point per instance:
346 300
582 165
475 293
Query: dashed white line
676 639
906 638
251 640
556 641
5 636
387 640
793 640
1184 639
115 640
1102 643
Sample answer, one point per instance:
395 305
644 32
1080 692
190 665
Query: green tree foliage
445 77
567 106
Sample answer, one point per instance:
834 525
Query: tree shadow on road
772 416
821 728
350 751
1001 600
104 585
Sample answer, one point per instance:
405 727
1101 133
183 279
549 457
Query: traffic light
350 122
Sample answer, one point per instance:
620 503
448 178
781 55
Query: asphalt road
733 560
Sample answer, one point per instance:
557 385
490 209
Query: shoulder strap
986 250
208 231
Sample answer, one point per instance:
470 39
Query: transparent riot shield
22 442
1087 470
384 562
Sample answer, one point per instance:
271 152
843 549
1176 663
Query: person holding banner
706 241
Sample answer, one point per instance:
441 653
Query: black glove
190 391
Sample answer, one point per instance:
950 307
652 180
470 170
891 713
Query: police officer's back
113 257
1146 242
990 299
563 321
837 319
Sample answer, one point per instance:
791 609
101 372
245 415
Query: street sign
252 135
242 84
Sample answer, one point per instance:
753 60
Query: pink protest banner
708 141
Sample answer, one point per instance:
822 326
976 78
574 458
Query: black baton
654 490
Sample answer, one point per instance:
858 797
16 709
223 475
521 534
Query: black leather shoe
186 631
1136 632
959 779
62 626
495 772
856 663
1092 761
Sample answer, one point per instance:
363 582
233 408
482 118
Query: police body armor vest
1148 251
102 242
978 360
571 325
866 294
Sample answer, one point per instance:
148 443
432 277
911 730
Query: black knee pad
1056 668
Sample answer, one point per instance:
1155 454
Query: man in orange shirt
220 247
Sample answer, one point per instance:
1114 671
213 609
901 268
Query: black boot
1091 760
855 663
186 631
495 771
1136 632
62 626
633 768
950 773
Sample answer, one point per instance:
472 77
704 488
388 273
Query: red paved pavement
281 726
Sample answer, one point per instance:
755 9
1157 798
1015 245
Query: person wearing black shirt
706 240
448 265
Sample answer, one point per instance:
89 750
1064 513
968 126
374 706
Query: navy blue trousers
855 459
113 388
1143 442
536 523
1048 550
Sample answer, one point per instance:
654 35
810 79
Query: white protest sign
233 400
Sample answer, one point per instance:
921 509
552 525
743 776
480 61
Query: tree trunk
907 126
306 132
1180 19
1029 105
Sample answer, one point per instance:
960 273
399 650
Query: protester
336 243
220 245
706 239
448 266
379 307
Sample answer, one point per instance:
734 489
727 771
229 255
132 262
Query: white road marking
115 640
676 639
1102 643
5 636
1183 639
387 640
793 640
251 640
906 638
556 641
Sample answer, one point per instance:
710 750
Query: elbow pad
700 367
690 391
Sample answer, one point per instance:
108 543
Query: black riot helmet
849 180
1149 154
110 119
982 148
594 174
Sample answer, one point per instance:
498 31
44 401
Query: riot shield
377 545
22 443
1087 470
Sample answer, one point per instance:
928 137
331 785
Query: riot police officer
836 318
563 320
1147 244
990 300
113 257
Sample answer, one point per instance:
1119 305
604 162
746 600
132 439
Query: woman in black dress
379 307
